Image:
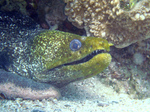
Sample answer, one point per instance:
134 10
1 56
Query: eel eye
75 45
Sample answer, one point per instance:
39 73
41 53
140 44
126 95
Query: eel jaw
86 67
86 58
83 60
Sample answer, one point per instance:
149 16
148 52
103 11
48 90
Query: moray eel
66 57
58 58
52 57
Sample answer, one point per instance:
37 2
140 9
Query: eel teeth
87 58
83 60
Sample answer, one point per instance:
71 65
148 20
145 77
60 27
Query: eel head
69 57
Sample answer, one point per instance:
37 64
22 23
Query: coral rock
106 19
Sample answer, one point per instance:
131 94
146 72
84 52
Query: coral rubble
129 71
107 19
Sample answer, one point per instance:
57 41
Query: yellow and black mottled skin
43 55
30 56
53 50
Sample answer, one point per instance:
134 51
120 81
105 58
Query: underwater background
124 81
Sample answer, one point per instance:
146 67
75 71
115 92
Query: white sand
89 95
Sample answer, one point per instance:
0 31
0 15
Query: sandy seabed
88 95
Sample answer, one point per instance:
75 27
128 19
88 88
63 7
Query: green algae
128 4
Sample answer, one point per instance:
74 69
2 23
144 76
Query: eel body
53 57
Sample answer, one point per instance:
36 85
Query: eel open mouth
83 60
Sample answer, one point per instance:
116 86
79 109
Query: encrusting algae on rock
14 5
128 4
54 57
